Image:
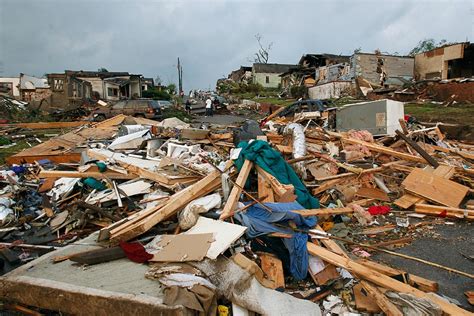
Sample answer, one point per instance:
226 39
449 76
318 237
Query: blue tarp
261 222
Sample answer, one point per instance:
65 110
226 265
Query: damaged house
241 75
34 90
304 74
365 71
74 87
452 61
10 86
268 75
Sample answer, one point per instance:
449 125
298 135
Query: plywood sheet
179 248
435 188
224 234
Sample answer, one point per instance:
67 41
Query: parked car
164 104
139 108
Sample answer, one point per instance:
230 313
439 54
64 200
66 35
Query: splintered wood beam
418 282
265 190
418 149
452 212
236 190
179 200
380 279
324 211
380 149
382 301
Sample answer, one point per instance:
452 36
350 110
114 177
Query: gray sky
212 37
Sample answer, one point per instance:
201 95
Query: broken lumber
379 148
453 212
414 280
418 149
283 192
435 188
382 301
381 279
176 202
236 190
324 211
407 200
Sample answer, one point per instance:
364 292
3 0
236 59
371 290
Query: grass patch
7 152
429 112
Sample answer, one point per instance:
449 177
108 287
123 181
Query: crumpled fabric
198 298
378 209
270 160
261 222
135 252
414 306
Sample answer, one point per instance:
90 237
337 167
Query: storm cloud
211 37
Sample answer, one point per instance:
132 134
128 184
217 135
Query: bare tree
263 51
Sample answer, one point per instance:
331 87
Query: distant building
305 73
74 87
10 86
362 71
451 61
147 83
34 90
243 74
268 75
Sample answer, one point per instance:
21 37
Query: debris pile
267 219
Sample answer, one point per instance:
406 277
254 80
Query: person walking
208 107
187 106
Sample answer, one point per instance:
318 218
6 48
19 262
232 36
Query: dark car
139 108
308 105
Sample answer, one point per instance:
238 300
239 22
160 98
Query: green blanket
270 160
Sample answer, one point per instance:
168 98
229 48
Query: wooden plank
452 212
47 125
324 211
273 269
380 149
381 279
325 275
57 158
373 193
237 189
282 192
264 190
418 149
435 188
86 174
407 200
174 204
327 185
363 302
414 280
382 301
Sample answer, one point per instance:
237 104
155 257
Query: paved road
454 241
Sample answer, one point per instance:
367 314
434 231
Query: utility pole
180 78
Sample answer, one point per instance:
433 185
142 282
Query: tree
263 51
171 88
102 69
426 45
158 81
